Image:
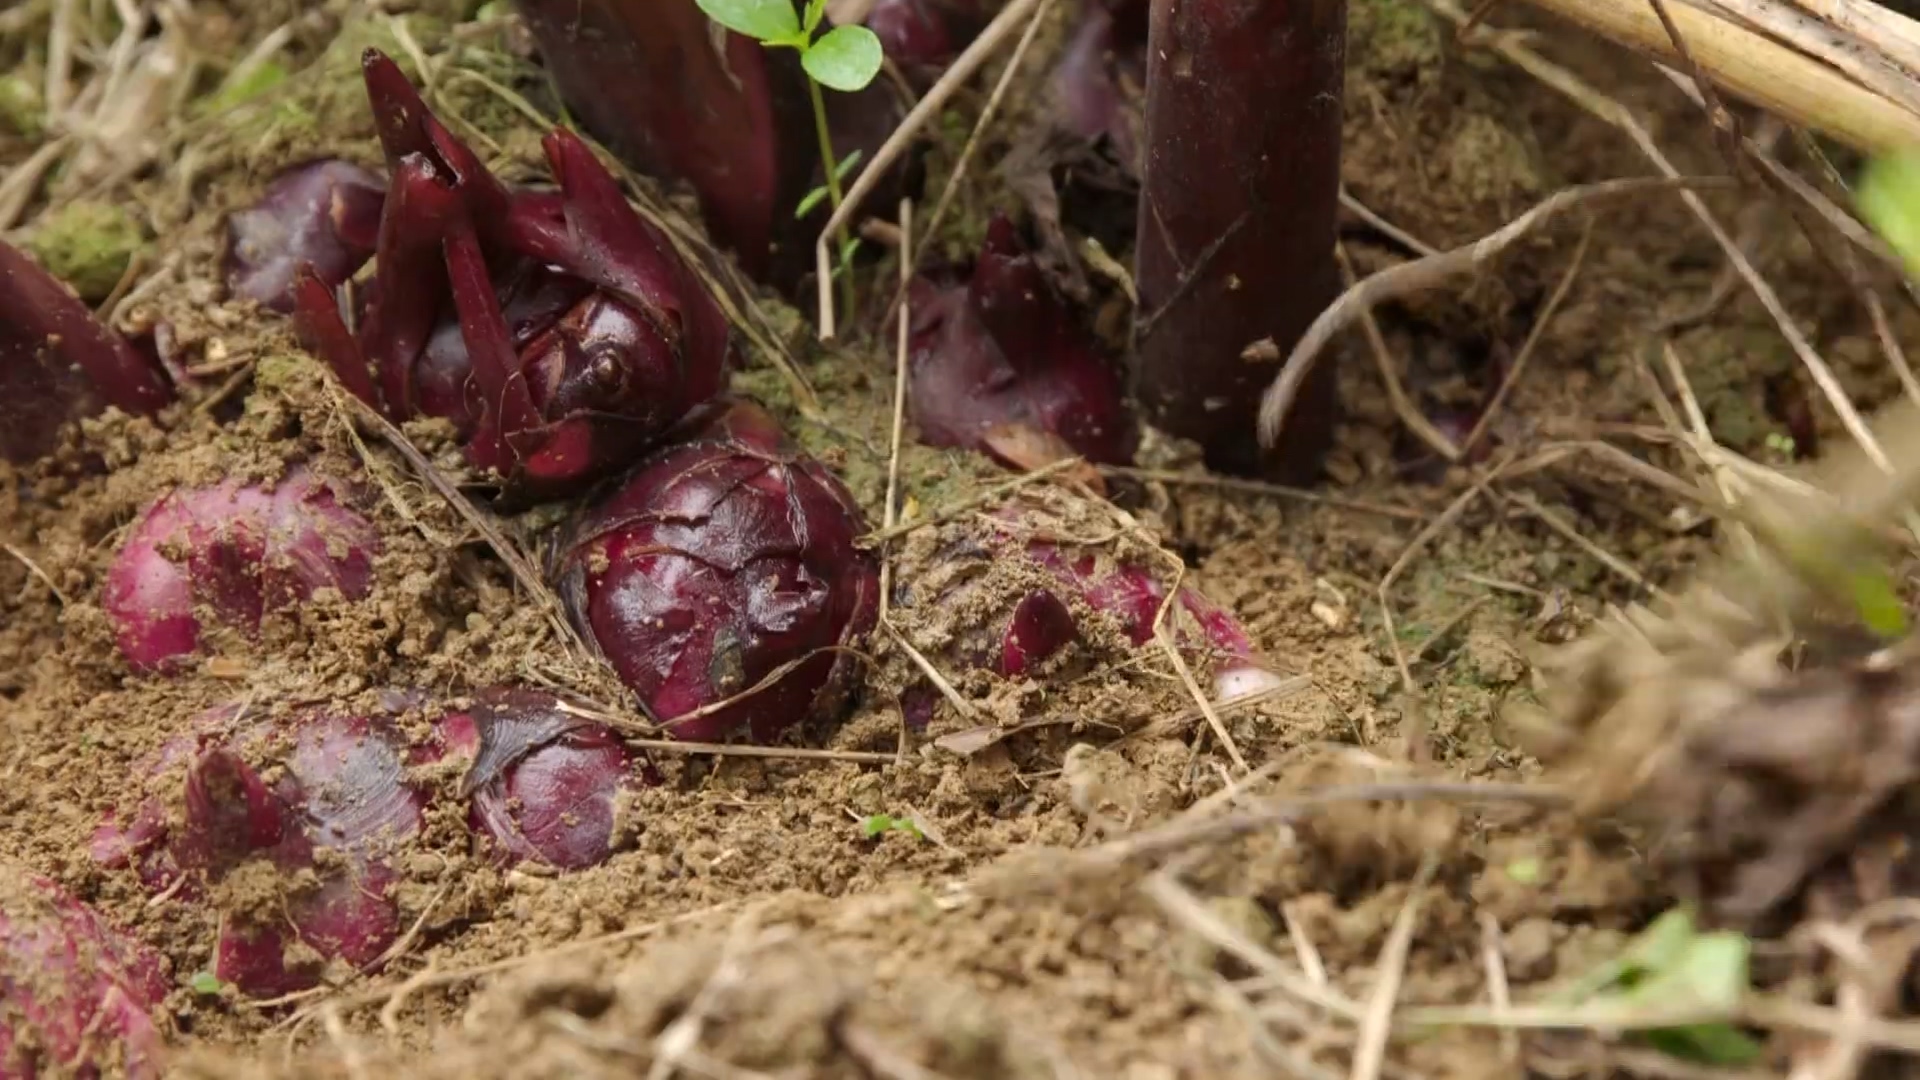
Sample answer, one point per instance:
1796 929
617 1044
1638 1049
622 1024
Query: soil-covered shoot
459 617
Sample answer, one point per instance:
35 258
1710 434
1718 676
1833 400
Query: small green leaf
812 198
846 58
846 260
816 10
771 21
206 984
808 201
1672 966
1711 973
875 824
1524 871
1651 950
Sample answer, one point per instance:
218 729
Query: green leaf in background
20 110
1673 966
245 86
1889 198
1879 606
770 21
845 59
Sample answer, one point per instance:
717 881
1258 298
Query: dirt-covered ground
1092 887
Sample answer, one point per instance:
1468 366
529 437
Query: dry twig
1420 275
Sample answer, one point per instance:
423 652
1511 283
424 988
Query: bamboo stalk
1887 29
1782 79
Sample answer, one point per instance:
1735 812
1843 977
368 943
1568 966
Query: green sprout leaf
771 21
813 197
1672 967
1889 198
875 824
846 261
1524 871
846 58
816 10
206 984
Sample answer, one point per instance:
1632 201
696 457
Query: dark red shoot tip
1042 625
322 214
1237 221
545 784
77 996
560 332
59 364
1004 351
324 799
722 563
232 553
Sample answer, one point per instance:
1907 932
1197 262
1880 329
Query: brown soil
1041 920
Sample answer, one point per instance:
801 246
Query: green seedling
1674 967
875 825
206 984
845 58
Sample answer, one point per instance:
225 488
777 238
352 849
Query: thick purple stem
1238 209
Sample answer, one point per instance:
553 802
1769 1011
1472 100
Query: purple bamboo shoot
561 332
723 582
1237 218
